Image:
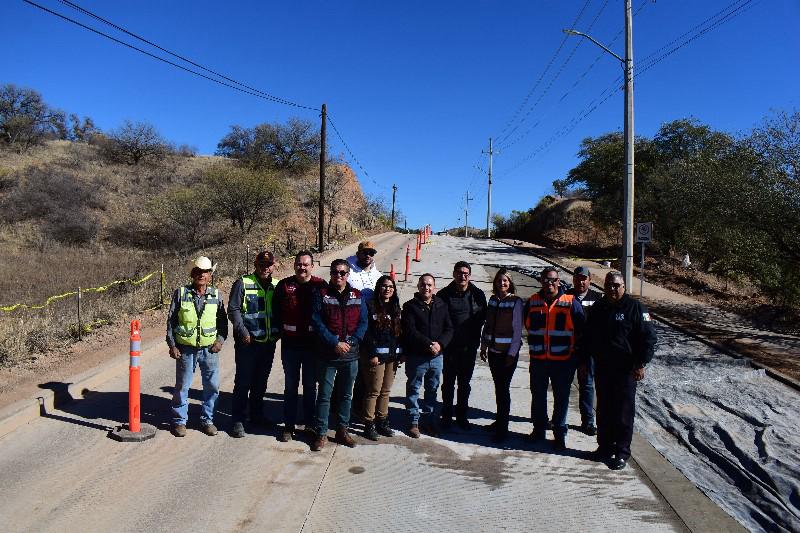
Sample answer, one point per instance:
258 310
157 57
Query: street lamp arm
581 34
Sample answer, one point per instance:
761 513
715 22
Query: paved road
62 473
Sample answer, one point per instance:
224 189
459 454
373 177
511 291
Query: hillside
72 218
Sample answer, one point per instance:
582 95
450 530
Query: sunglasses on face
341 273
368 252
614 285
550 280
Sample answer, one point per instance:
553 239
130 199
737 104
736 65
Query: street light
627 64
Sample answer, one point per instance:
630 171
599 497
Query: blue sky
415 88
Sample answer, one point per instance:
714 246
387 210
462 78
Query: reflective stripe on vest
193 332
257 308
499 330
553 337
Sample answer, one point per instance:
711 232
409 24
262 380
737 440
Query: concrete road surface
62 473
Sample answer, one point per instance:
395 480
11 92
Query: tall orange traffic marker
135 431
419 238
408 262
392 273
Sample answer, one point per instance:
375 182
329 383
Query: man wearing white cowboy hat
196 328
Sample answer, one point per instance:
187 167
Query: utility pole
626 255
394 196
627 236
489 195
466 214
321 234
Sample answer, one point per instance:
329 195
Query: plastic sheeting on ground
732 430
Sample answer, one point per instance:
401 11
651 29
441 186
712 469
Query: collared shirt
199 306
363 279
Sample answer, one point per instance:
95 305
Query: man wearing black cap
581 281
255 335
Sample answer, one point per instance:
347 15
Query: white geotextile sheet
731 429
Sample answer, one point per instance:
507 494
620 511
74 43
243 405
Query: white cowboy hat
203 263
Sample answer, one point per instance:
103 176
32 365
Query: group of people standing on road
345 339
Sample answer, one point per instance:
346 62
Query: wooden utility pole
466 214
321 234
394 197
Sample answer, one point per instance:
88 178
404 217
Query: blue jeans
586 394
184 370
253 365
560 375
343 373
419 370
294 360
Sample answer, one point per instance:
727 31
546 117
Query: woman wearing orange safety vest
553 320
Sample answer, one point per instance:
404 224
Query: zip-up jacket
621 335
552 327
424 324
339 317
291 311
381 341
467 313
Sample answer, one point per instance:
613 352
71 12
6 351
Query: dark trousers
586 394
502 373
459 364
616 408
253 365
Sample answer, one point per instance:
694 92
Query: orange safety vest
551 333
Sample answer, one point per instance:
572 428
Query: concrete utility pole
489 194
321 234
627 214
466 214
394 197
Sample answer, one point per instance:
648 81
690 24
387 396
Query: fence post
136 431
80 333
161 289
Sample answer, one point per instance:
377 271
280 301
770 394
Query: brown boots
343 437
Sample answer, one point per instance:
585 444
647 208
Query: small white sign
644 232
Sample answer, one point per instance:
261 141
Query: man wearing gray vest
196 328
255 336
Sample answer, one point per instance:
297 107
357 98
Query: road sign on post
644 234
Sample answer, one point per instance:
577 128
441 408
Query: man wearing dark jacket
581 281
339 318
466 304
427 330
622 338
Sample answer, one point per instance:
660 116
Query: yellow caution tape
73 293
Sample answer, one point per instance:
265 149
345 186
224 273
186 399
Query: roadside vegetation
80 207
732 202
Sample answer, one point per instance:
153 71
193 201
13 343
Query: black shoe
550 425
370 431
447 421
464 424
560 443
237 431
537 436
287 434
382 427
500 435
617 463
589 429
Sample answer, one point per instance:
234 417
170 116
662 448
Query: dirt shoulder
701 312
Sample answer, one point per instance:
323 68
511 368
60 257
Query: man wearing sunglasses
364 274
339 317
622 340
553 320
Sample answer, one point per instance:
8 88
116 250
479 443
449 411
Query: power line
503 136
616 87
352 155
178 56
258 94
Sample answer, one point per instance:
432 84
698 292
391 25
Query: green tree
25 119
247 196
293 146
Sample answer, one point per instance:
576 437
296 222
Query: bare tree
25 119
135 143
